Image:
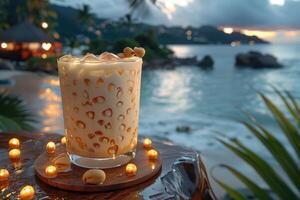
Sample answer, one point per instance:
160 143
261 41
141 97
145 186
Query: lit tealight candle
131 169
14 154
152 154
27 193
63 140
14 143
147 143
51 171
50 147
4 174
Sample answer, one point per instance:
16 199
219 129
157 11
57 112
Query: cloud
234 13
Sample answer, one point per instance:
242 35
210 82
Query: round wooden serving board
116 178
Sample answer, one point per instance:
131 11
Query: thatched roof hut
25 40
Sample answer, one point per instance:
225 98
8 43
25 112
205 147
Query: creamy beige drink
100 97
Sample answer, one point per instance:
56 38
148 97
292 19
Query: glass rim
78 60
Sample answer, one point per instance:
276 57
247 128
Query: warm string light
4 175
51 171
14 154
14 143
147 143
63 140
50 147
131 169
152 154
27 193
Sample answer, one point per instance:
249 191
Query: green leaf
231 191
263 169
286 126
292 110
259 192
296 105
278 151
12 107
7 124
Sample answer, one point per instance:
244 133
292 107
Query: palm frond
287 161
260 192
14 115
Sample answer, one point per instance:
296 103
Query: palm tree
85 16
13 114
288 161
139 6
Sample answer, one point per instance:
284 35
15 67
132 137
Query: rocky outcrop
206 63
256 60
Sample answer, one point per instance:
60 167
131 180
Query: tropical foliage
278 188
13 114
35 11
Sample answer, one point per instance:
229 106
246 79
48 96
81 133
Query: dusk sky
275 20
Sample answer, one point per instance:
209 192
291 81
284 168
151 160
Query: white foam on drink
105 57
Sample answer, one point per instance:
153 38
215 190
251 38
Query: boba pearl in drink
100 97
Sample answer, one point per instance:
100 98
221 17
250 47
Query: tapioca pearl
108 73
119 103
128 129
74 82
96 145
130 83
101 122
91 150
132 72
108 126
107 112
121 117
113 150
122 127
90 114
104 139
74 94
91 135
80 124
86 81
128 110
111 87
120 71
130 90
87 103
99 82
99 99
78 139
86 94
98 132
120 138
132 99
76 109
112 142
119 92
81 144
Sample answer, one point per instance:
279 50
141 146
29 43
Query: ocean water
208 101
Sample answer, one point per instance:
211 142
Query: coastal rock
206 63
256 60
183 129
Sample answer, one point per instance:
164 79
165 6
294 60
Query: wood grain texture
33 144
116 178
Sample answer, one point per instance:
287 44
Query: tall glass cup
100 101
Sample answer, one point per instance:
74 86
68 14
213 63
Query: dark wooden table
32 144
